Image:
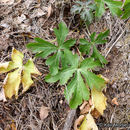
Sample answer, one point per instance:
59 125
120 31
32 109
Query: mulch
23 20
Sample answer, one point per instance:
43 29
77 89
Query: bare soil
23 20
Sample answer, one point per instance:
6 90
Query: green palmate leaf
68 43
79 77
93 80
53 61
84 9
61 33
79 90
100 38
40 45
67 59
126 2
69 68
44 48
96 54
100 8
114 6
86 46
126 12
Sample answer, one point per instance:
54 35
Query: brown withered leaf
44 111
95 114
85 107
13 126
114 101
78 122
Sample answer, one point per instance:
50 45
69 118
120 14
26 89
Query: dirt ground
20 22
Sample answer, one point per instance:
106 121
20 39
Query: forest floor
20 22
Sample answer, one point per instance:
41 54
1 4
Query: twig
112 116
87 29
69 120
62 12
114 43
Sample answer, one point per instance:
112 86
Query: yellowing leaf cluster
99 101
88 123
19 73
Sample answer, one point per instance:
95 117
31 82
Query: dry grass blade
49 11
2 95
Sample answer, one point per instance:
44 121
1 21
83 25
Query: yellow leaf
13 126
3 67
29 68
88 123
99 101
13 79
12 82
17 59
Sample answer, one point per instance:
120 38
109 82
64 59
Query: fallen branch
69 120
